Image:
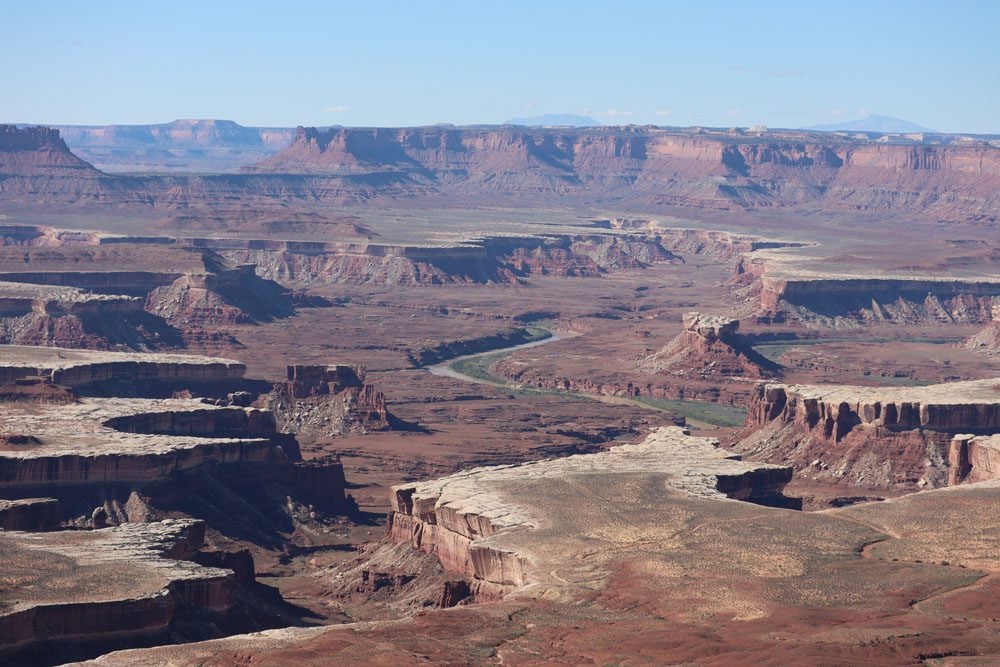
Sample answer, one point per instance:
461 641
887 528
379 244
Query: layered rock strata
117 440
29 514
658 169
117 584
871 436
76 368
974 459
787 288
459 518
65 316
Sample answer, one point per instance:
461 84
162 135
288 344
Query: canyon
497 394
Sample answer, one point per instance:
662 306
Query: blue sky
783 64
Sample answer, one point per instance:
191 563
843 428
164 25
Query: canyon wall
460 518
974 459
656 168
878 437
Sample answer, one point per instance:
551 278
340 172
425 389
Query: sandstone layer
457 517
813 289
325 401
119 583
974 459
882 437
659 168
74 368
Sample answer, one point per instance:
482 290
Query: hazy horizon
781 64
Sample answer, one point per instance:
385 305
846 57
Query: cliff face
36 166
468 519
881 299
127 582
657 168
227 296
882 437
490 260
974 459
38 151
71 317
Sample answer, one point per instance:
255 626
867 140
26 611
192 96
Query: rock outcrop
29 514
710 345
324 401
117 584
78 368
974 459
881 437
458 518
789 286
656 168
226 296
487 260
32 314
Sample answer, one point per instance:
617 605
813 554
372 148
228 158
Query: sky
372 63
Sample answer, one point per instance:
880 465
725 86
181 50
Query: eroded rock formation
882 437
710 345
457 517
320 401
987 341
89 587
658 168
974 459
788 287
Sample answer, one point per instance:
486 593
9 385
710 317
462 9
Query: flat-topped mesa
501 259
317 401
659 169
101 441
457 518
29 514
38 151
790 286
872 436
973 458
710 242
79 368
119 584
709 346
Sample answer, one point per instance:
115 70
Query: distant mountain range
872 123
556 119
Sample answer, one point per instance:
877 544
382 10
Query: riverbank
475 368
